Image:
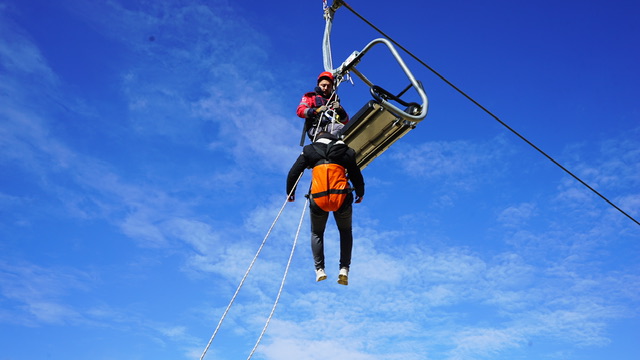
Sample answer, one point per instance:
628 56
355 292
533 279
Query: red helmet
325 75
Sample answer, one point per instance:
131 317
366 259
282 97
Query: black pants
319 219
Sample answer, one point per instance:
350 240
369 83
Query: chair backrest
372 130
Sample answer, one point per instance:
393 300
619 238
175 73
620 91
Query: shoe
320 275
343 277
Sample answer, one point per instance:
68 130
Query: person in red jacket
321 108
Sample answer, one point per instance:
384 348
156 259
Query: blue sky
144 148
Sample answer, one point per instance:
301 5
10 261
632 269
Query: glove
291 198
335 104
359 199
321 109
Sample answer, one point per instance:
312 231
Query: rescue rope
334 95
233 298
284 277
337 3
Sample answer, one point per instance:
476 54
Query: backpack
329 183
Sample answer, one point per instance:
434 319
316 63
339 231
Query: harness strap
332 191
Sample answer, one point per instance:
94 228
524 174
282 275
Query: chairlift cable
341 2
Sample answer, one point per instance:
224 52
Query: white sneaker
343 277
320 275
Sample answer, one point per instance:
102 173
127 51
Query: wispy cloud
19 56
35 294
453 160
514 216
199 73
203 64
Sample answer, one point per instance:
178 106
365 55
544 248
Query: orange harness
329 182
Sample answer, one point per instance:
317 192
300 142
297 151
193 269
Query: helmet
325 75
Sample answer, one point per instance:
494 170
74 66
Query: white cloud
312 350
19 56
453 160
479 343
140 227
205 65
195 233
36 294
515 216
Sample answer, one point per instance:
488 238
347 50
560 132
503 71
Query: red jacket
312 100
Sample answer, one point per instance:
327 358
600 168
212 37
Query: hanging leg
318 220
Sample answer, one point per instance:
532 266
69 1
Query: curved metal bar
386 104
380 94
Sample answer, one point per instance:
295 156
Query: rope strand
233 298
284 277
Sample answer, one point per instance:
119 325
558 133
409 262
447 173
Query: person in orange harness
333 165
314 105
